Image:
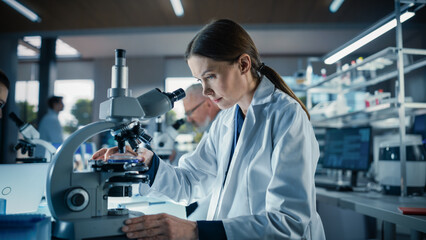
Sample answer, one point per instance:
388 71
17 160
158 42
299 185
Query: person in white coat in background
200 111
258 160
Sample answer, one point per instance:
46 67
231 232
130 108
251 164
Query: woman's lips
217 100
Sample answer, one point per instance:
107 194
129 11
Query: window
29 48
77 96
26 98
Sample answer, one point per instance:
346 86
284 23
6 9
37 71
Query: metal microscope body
93 220
78 201
32 137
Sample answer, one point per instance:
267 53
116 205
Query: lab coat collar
262 95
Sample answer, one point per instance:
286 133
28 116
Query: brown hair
225 40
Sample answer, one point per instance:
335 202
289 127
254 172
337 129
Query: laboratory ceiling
90 24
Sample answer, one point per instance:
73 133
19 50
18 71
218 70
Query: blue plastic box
25 226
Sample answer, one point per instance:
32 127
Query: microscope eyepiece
120 53
176 95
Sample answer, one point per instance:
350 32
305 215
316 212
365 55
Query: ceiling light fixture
335 5
177 7
365 38
23 10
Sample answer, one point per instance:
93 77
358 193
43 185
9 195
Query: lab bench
381 207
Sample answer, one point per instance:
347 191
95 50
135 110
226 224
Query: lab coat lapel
238 162
241 158
223 156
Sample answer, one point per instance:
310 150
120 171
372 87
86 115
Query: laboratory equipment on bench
163 143
389 171
31 140
378 98
78 201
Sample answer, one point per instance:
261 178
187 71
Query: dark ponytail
225 40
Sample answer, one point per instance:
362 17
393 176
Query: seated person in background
200 111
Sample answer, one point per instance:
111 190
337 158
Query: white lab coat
269 192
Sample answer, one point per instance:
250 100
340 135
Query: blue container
25 227
2 206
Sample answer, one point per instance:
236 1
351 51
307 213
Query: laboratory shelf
385 77
384 52
388 55
380 67
368 115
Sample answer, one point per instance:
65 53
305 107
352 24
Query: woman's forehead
200 65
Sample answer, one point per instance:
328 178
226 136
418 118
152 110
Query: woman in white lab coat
258 159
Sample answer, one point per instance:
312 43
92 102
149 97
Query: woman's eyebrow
206 71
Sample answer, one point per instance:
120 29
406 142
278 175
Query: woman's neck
245 101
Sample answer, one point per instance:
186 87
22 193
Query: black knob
77 199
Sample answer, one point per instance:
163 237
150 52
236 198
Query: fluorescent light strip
23 10
177 7
335 5
367 38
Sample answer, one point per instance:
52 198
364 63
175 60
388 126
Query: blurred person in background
200 111
50 128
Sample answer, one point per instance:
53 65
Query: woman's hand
160 226
143 154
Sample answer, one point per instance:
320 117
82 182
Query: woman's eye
210 77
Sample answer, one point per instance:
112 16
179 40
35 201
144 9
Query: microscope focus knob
77 199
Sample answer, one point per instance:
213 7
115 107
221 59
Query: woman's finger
98 155
109 152
146 156
130 150
146 233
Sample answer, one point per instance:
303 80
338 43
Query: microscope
31 140
78 201
163 143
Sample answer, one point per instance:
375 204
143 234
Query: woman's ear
244 63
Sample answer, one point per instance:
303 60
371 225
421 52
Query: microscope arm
61 176
50 149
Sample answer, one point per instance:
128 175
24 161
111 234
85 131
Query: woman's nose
207 91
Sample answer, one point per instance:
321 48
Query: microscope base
91 228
